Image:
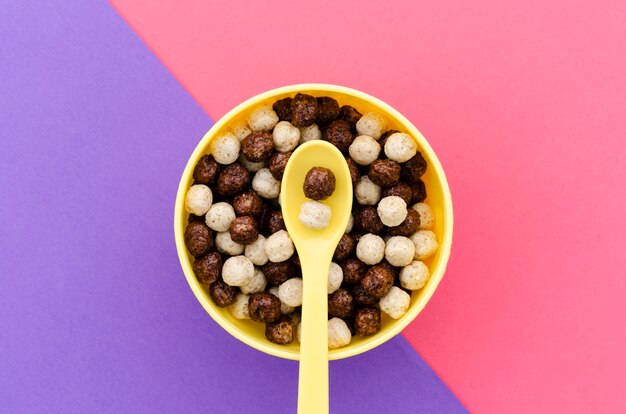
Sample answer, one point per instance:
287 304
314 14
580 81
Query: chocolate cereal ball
361 297
367 220
278 163
274 222
377 282
350 115
206 170
367 321
319 183
281 331
402 190
282 107
419 192
277 273
327 110
355 173
384 173
303 110
338 133
248 204
340 303
233 180
345 247
353 270
413 169
208 268
258 146
244 230
198 238
409 226
263 307
222 293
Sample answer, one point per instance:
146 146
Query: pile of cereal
243 253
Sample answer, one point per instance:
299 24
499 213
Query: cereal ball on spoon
314 215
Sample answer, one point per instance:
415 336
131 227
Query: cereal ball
367 321
338 333
222 293
353 270
399 251
414 276
350 115
383 140
350 224
239 308
284 308
198 238
408 226
263 307
400 147
377 281
225 148
278 273
425 243
265 184
314 215
310 133
355 173
319 183
392 210
338 133
335 277
244 230
208 268
340 303
240 129
198 199
256 284
384 172
219 216
372 124
344 248
275 222
249 165
395 271
395 303
413 169
419 192
367 220
232 180
282 107
237 270
402 190
303 110
280 331
426 215
226 245
258 146
370 249
286 136
327 110
279 246
255 251
366 192
290 292
364 150
361 297
278 163
263 118
206 170
248 204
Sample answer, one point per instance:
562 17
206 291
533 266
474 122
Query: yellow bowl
252 333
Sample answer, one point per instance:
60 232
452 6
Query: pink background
524 102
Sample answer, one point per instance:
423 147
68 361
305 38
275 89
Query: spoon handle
313 382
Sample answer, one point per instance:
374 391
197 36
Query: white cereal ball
256 284
400 147
284 308
350 224
370 249
286 136
279 246
399 251
290 292
239 308
314 215
219 216
335 277
225 244
366 192
240 129
372 124
265 184
427 216
249 165
392 211
338 333
425 243
237 271
310 133
395 303
198 200
225 148
364 150
414 276
255 251
263 118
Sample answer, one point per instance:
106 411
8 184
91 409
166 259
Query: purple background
96 315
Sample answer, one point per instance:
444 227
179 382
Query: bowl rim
445 245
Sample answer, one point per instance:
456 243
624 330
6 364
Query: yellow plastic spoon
315 250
